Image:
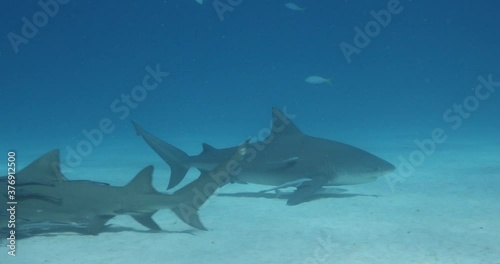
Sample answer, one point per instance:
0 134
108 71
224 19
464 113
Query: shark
45 198
287 157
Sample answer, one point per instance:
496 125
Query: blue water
225 75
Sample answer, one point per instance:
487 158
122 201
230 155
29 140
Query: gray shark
286 158
46 198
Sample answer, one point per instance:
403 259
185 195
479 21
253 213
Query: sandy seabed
447 211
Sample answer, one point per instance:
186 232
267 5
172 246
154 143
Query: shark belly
346 179
269 178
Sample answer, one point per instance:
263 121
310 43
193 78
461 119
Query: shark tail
196 193
177 159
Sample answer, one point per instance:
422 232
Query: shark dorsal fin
207 148
43 170
142 182
283 125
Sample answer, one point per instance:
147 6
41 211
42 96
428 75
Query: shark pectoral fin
189 215
307 189
147 221
295 183
282 164
97 223
235 179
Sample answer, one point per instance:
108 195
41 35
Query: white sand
447 212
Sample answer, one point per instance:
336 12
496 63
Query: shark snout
390 167
379 168
385 167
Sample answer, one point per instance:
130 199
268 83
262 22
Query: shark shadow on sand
48 229
285 195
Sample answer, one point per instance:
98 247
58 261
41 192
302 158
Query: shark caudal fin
196 193
174 157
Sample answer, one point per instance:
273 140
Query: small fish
199 2
318 80
294 7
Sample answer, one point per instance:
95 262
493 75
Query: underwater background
225 64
